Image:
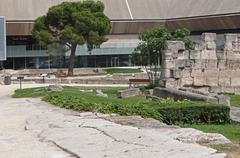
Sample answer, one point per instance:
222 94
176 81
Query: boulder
131 92
55 88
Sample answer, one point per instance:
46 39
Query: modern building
128 17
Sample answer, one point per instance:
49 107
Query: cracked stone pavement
31 128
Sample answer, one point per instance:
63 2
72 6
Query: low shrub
79 103
188 112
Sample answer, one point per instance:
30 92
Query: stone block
185 82
212 81
180 64
199 81
195 54
224 81
233 64
197 73
221 55
168 64
215 89
177 73
167 55
149 92
232 55
209 54
186 73
229 39
208 37
166 73
210 45
175 45
235 73
204 63
237 90
55 88
222 64
210 72
224 73
170 83
224 100
189 63
131 92
197 64
183 54
227 89
235 81
212 64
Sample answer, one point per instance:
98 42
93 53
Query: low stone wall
206 67
73 81
38 72
102 79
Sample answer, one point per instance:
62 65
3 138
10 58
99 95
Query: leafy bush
82 104
188 112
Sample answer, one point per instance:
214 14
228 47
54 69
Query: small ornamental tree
71 24
149 50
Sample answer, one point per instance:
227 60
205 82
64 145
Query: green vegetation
70 24
149 50
235 100
168 111
231 131
122 70
189 112
30 92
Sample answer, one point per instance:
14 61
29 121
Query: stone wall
205 67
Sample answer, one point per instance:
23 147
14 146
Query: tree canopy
73 23
152 43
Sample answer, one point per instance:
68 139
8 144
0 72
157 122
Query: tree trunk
72 60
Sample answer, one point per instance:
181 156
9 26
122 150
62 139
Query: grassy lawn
122 70
235 100
231 131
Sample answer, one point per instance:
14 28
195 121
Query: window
34 47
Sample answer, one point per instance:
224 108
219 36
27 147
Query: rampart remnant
204 68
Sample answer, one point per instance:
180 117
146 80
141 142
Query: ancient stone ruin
204 68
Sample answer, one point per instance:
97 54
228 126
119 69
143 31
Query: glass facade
2 39
24 53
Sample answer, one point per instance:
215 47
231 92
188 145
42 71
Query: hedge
197 113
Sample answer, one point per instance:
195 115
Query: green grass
231 131
122 70
30 92
235 100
